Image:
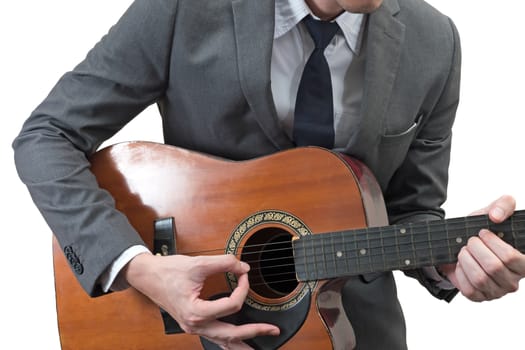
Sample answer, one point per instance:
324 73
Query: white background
40 40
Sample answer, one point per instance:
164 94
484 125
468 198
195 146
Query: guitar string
356 258
346 273
271 278
320 244
287 274
364 234
398 261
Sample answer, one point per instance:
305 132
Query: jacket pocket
406 134
393 148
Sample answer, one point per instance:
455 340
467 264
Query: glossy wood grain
209 198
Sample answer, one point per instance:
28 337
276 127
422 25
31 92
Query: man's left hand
487 267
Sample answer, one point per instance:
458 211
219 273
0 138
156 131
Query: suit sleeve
419 187
123 74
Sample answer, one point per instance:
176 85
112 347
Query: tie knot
322 32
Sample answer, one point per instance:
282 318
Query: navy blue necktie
314 108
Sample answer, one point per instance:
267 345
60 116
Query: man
224 75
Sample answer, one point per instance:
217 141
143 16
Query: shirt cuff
110 279
441 281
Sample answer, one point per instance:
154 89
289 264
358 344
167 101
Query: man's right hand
174 283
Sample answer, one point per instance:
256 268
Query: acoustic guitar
305 219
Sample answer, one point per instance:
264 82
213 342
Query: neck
326 10
396 247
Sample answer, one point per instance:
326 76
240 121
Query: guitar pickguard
289 322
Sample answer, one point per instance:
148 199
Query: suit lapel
384 38
254 38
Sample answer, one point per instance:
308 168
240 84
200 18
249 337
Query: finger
227 333
502 208
498 210
464 285
213 309
508 255
475 273
492 264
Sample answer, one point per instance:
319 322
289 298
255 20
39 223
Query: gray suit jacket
206 64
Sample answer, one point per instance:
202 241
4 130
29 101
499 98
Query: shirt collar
288 13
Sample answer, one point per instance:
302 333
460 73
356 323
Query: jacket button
79 269
73 260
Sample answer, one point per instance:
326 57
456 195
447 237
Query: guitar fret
336 254
355 250
431 245
449 251
368 252
518 231
402 246
391 255
457 237
405 246
423 244
397 262
375 251
361 250
354 253
309 252
321 270
506 231
317 261
383 251
330 257
413 262
330 262
345 254
438 242
348 252
299 258
515 233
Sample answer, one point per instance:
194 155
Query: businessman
227 76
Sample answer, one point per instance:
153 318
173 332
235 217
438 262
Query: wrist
137 269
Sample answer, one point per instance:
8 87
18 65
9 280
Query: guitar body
219 207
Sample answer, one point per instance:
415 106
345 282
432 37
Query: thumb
222 263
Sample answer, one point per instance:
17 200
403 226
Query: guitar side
211 199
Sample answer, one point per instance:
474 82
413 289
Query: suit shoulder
161 7
421 17
427 24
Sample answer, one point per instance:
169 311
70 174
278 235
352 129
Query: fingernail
498 213
245 266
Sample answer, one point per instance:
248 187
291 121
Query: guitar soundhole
269 253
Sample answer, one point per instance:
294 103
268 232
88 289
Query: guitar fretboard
396 247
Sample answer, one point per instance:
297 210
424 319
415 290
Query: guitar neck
396 247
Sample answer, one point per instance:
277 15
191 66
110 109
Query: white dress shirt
292 47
